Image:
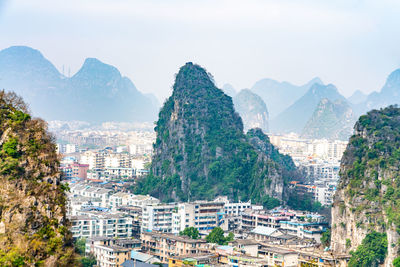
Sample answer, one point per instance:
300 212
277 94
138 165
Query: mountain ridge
295 117
96 93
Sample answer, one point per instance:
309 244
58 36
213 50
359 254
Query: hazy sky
352 44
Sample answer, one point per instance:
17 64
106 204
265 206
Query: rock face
367 196
295 117
331 120
96 93
33 229
252 109
201 150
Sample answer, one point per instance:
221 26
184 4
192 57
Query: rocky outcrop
33 227
201 150
295 117
367 199
252 109
330 120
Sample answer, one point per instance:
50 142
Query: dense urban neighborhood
120 228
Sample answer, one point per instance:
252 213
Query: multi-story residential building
325 194
82 189
251 219
119 199
203 215
117 160
193 260
164 245
94 224
95 160
158 217
127 199
111 255
112 173
75 170
78 203
311 230
143 200
67 148
233 209
276 256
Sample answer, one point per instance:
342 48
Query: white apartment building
96 160
127 199
77 203
203 215
325 194
93 192
117 160
94 224
111 255
158 217
119 173
233 209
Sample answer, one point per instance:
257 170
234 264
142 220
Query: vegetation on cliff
201 150
331 119
371 252
33 227
368 195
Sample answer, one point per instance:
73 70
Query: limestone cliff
367 202
252 109
201 150
330 120
33 227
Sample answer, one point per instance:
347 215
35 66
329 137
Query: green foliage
348 243
201 151
19 116
326 238
303 201
217 236
10 147
191 232
88 261
396 262
371 252
270 202
12 258
80 245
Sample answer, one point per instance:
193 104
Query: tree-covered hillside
201 150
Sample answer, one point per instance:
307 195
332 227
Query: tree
396 262
191 232
217 236
326 238
80 245
371 252
88 261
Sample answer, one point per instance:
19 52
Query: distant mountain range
280 95
357 97
389 94
295 117
331 120
252 109
96 93
229 90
